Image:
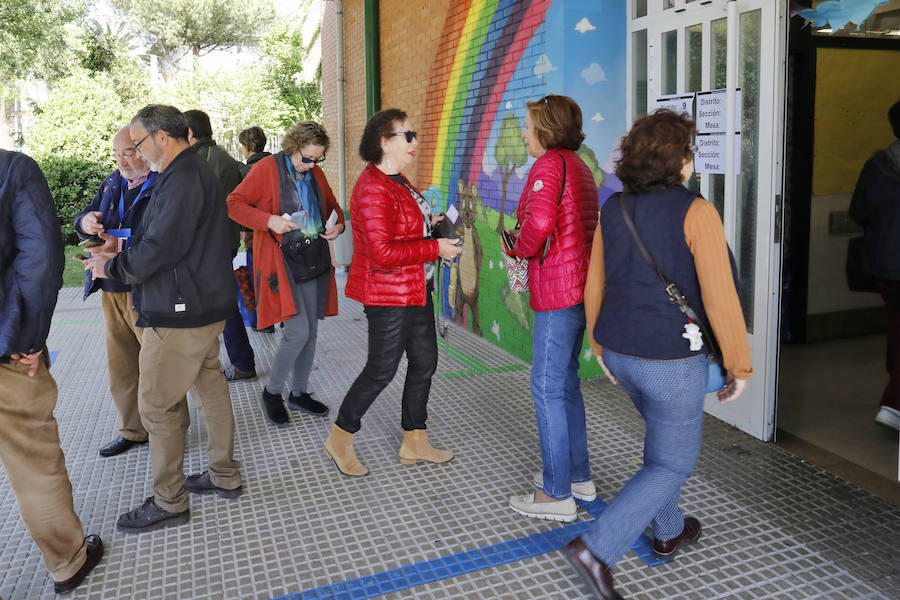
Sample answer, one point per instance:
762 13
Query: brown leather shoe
689 535
596 575
93 555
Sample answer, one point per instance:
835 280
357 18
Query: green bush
73 183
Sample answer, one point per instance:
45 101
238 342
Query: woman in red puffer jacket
392 274
558 215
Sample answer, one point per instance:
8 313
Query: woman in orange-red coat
290 183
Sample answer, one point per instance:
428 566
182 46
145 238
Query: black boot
307 404
273 405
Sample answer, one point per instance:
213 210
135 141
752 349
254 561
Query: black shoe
689 535
92 556
118 446
235 374
595 574
148 516
306 403
202 484
274 408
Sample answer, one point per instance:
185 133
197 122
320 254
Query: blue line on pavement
467 561
53 355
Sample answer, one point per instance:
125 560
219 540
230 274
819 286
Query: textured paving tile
774 526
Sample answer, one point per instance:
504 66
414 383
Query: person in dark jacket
875 206
392 275
228 171
558 215
641 334
31 266
253 147
117 207
253 144
180 269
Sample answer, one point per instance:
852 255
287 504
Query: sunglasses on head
410 135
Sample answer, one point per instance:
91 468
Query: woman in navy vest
558 214
640 337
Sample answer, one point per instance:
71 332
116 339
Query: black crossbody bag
306 258
715 380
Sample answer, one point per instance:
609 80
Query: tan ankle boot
415 447
339 448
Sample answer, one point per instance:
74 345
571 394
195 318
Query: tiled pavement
774 526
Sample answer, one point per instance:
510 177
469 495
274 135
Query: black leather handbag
306 258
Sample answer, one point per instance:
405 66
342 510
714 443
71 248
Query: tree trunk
506 175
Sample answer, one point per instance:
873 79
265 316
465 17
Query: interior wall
854 89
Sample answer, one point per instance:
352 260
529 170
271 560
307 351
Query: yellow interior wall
854 89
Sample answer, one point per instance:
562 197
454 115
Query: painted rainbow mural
469 99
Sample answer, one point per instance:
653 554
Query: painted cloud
543 66
593 74
584 26
598 117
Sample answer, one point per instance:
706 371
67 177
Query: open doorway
832 362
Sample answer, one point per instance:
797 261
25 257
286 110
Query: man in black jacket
31 265
875 206
228 171
118 207
180 268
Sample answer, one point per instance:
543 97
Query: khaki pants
173 361
123 345
36 467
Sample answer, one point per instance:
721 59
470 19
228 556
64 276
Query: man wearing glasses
180 269
228 171
116 211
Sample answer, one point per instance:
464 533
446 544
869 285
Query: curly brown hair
303 134
557 122
654 151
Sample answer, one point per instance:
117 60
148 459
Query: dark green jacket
228 171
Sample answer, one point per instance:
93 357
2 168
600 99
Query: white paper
240 260
332 219
452 214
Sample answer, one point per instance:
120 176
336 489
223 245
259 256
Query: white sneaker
583 491
561 510
889 417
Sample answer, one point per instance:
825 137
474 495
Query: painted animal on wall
469 269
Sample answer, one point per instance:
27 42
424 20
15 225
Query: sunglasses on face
311 161
410 135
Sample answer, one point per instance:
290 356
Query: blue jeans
558 403
237 343
669 395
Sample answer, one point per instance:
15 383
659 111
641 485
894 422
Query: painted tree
510 154
177 28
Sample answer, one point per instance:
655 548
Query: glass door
726 58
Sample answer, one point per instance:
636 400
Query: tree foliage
286 51
177 27
33 37
71 139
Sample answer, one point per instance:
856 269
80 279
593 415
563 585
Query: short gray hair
161 117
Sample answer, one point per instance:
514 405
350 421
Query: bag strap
672 290
274 239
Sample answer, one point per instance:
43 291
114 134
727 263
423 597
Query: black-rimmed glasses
137 145
410 135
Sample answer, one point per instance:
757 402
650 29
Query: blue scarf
308 200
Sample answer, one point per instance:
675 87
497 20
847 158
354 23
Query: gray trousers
298 344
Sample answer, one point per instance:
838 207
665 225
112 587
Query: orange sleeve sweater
705 237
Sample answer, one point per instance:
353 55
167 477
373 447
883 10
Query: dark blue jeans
669 395
558 403
237 343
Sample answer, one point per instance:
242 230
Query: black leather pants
394 330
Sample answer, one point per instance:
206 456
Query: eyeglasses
410 135
125 154
312 161
138 144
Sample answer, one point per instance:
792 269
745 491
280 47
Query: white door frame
754 412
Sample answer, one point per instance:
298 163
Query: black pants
890 293
394 330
